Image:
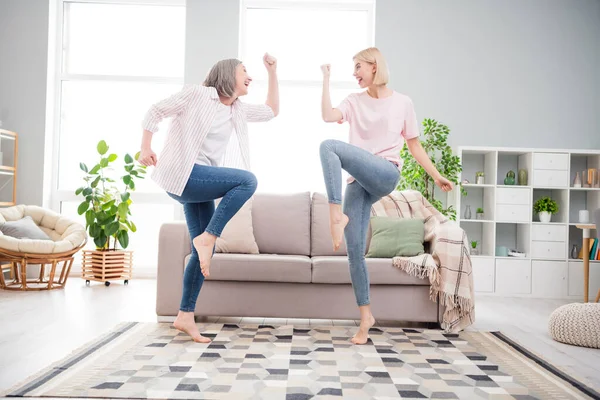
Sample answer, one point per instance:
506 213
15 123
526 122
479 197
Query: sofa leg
433 325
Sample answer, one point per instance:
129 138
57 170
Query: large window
114 59
302 35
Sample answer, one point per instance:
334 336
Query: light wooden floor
39 328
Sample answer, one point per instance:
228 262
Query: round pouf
577 324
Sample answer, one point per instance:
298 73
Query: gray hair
222 77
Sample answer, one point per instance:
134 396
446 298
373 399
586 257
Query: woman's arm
167 108
147 156
157 112
328 113
273 93
419 153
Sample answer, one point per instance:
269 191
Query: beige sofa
296 274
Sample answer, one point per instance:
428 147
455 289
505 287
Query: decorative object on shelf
545 207
107 215
479 178
584 216
479 213
501 251
574 252
522 177
414 177
465 181
577 181
510 178
468 212
474 249
516 253
590 178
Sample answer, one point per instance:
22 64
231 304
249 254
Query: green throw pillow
394 237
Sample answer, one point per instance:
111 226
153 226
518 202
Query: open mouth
246 83
359 80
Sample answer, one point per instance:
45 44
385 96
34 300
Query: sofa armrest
173 246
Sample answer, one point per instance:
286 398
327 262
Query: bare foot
204 245
362 336
185 323
337 226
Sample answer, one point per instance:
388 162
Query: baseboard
138 273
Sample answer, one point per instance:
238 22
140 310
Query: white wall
499 73
211 34
23 78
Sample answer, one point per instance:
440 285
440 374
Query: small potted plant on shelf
545 207
479 214
479 178
474 249
107 216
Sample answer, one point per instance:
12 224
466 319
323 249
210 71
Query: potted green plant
435 142
545 207
106 207
479 213
479 178
474 250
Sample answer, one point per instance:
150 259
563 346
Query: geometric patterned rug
155 361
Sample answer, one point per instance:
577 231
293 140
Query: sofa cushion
381 272
320 239
238 234
282 223
259 268
396 237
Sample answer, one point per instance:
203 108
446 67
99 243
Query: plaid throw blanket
448 266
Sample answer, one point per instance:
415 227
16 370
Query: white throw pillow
238 234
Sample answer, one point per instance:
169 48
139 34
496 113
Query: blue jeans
205 185
375 177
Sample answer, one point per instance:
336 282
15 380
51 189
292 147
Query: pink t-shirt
380 126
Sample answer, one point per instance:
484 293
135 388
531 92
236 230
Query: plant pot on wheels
106 207
107 265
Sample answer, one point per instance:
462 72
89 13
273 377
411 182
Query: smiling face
370 68
364 72
242 80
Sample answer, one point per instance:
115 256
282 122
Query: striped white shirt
193 110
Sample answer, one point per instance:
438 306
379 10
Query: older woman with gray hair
195 165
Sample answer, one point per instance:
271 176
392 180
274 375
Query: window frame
57 195
346 5
56 77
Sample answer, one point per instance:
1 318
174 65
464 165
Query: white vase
584 216
545 216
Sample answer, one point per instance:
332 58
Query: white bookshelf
547 270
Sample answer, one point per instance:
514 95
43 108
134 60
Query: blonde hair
372 55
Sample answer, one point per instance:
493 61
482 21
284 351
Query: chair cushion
65 233
329 269
23 228
577 324
259 268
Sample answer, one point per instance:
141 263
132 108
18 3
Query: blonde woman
191 166
381 120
